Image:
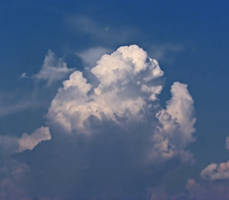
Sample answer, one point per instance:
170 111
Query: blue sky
44 43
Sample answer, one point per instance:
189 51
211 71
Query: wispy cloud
100 32
53 69
163 52
92 55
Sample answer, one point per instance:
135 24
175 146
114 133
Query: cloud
10 144
227 143
193 190
125 83
53 69
176 124
24 75
216 171
90 56
30 141
116 132
13 102
124 89
203 191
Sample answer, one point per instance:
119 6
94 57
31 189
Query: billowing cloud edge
124 87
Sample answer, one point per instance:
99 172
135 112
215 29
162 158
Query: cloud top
124 82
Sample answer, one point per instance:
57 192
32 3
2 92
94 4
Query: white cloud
216 171
176 127
14 180
53 69
116 94
29 141
11 144
90 56
125 88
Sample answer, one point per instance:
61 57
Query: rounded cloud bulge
125 83
123 88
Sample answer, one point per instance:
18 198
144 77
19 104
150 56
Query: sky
114 100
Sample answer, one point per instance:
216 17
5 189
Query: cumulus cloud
10 144
124 88
29 141
125 82
176 124
119 132
216 171
53 69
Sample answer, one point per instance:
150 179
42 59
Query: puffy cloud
176 124
10 144
29 141
194 190
123 88
53 69
117 101
216 171
125 82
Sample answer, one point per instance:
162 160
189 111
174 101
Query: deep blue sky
192 35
